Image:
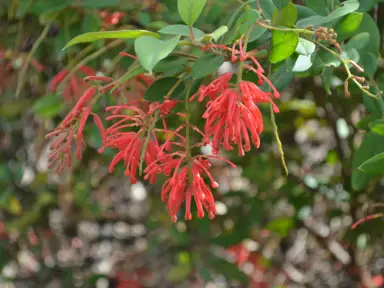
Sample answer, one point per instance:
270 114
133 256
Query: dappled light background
90 228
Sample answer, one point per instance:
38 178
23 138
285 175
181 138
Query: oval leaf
375 165
150 50
182 30
206 65
377 127
121 34
372 145
350 23
161 88
283 45
190 10
285 17
48 106
346 8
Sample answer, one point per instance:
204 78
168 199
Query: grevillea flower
232 113
186 177
186 182
70 130
75 86
131 145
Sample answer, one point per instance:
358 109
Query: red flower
130 144
75 87
185 184
70 129
232 114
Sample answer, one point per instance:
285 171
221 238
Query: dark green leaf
375 165
326 76
346 8
372 145
161 88
280 4
48 106
206 65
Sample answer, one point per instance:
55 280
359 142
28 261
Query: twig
23 71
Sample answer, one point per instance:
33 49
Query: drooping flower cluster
75 86
69 131
232 119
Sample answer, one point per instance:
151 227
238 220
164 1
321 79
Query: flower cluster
232 120
74 87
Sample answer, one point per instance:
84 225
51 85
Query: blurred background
89 228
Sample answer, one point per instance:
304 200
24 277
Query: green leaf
182 30
283 45
215 35
100 3
369 25
377 127
150 50
268 8
369 62
366 5
281 78
206 65
286 16
375 165
372 145
359 41
190 10
326 77
346 8
256 33
120 34
137 70
161 88
246 20
280 4
351 23
48 106
171 67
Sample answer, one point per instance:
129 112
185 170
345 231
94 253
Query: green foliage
190 10
206 65
121 34
333 144
346 8
283 45
161 88
150 50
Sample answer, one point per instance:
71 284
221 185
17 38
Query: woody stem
187 136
